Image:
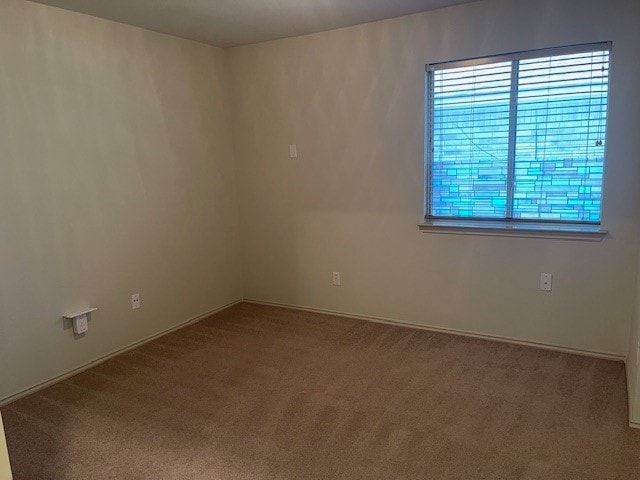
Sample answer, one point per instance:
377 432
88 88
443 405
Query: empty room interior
319 239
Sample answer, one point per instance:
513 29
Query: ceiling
227 23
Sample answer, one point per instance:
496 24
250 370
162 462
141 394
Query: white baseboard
466 333
58 378
400 323
452 331
630 400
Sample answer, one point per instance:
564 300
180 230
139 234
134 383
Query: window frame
530 227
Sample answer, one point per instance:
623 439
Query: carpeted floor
259 392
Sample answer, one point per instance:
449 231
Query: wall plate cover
80 324
546 282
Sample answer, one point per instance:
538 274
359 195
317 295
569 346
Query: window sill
591 233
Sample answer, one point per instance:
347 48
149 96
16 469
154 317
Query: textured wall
116 177
352 101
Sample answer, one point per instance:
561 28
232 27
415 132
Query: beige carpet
265 393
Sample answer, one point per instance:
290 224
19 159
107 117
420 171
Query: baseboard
58 378
452 331
605 355
630 400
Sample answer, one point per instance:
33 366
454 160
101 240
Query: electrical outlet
135 301
545 282
638 354
293 151
80 324
336 279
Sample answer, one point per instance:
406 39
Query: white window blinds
519 136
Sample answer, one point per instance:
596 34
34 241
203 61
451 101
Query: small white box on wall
80 324
80 320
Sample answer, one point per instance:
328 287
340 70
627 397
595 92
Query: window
518 137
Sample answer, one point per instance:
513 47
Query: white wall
352 101
633 360
633 357
116 177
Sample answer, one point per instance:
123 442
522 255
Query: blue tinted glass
470 141
561 123
558 147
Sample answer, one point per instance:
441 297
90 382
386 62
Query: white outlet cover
336 279
546 282
135 301
80 324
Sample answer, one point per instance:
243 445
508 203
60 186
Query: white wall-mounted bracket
80 320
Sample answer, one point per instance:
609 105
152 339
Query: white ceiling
227 23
